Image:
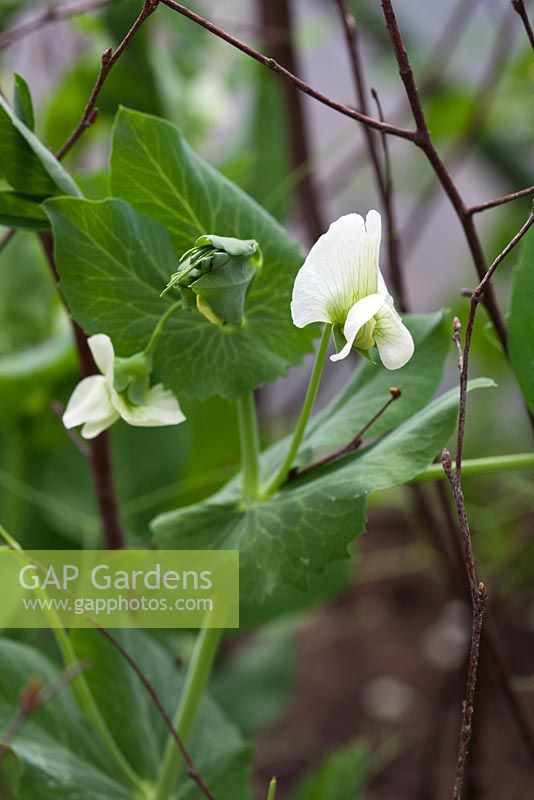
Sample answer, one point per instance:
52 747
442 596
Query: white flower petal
92 429
393 339
341 268
89 402
101 347
161 408
360 313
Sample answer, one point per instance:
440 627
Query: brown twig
34 696
278 24
274 66
519 6
6 238
99 448
382 175
192 771
499 201
424 141
477 590
48 15
109 59
354 443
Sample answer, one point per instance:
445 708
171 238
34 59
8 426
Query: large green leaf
18 211
153 168
310 522
28 166
114 263
59 751
521 322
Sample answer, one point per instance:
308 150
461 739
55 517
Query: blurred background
369 668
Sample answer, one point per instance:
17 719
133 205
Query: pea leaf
521 321
341 776
28 166
60 754
19 211
22 102
10 773
310 522
114 263
153 168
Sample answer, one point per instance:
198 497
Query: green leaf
22 102
114 264
311 521
10 773
215 744
157 172
19 211
521 321
28 166
59 750
341 776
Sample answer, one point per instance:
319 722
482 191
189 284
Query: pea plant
180 289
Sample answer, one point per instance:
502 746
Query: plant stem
307 408
480 466
195 684
249 442
156 333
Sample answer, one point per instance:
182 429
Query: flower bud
219 271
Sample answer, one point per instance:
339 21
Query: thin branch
6 238
109 59
99 448
34 696
382 175
519 6
192 771
499 201
274 66
424 141
355 442
278 24
47 16
479 596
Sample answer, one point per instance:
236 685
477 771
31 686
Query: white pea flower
97 404
340 283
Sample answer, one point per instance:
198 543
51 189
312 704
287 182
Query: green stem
156 333
307 408
272 789
80 687
195 684
250 446
479 466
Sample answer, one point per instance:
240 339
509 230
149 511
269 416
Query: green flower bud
219 271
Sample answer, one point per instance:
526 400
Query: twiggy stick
51 13
519 6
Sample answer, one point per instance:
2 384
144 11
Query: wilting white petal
360 313
101 347
341 268
393 339
90 402
92 429
160 408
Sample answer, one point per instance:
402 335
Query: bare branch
51 13
99 448
499 201
519 6
424 141
477 590
274 66
109 59
382 176
278 24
